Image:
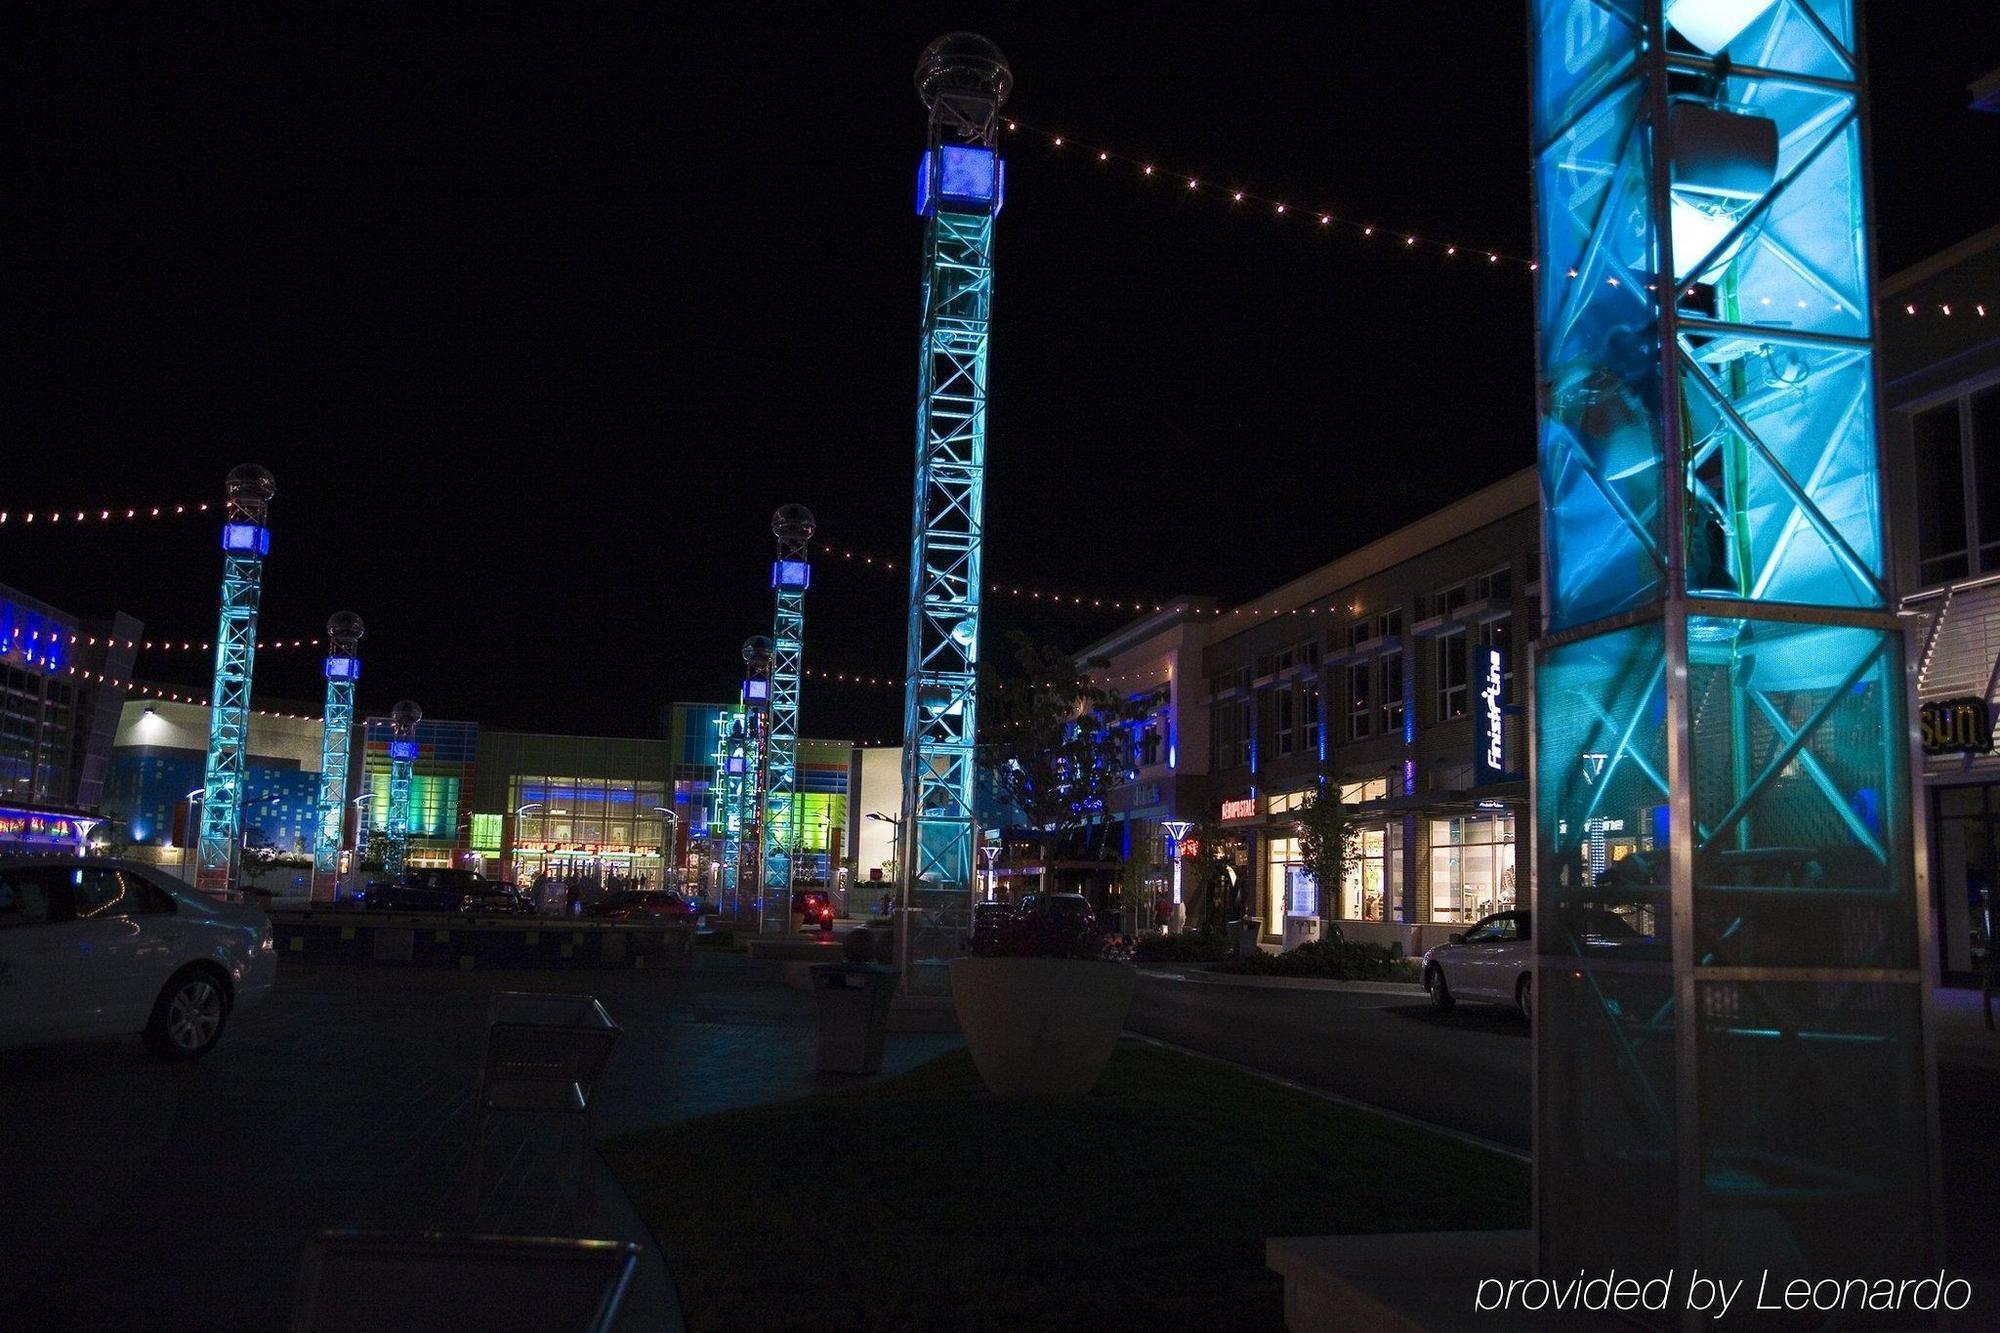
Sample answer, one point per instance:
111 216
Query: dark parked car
989 920
443 891
813 909
1067 907
641 905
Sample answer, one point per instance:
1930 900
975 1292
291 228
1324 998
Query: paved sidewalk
1962 1038
144 1195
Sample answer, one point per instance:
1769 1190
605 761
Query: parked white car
1495 960
101 948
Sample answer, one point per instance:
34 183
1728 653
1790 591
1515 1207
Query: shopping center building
151 800
1390 673
61 684
1941 388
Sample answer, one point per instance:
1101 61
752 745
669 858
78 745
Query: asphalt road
1469 1071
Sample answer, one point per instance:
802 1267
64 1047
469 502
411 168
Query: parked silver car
1495 960
94 947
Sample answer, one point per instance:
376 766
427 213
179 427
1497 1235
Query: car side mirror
1455 938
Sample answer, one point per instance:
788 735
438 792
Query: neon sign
40 826
1489 722
1242 809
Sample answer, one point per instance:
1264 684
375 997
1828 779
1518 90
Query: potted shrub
1041 1005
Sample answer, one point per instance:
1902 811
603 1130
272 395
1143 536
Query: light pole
670 854
190 834
989 852
895 824
1176 829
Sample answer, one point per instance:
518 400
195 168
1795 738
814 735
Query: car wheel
1524 997
1440 993
188 1017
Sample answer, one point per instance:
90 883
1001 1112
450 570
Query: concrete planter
1040 1027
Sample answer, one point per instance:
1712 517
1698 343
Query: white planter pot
1040 1027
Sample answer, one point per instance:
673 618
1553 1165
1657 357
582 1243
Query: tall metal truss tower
960 187
732 770
758 654
791 572
245 542
403 719
1732 1023
342 669
718 794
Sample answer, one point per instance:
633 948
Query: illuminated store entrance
591 829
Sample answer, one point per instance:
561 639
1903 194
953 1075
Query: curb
1405 988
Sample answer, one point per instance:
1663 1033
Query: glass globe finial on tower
245 542
342 670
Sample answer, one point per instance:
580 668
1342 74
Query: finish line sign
1489 717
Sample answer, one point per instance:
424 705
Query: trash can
853 1000
1247 930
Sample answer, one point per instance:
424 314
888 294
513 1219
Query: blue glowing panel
402 749
343 668
790 574
757 691
246 539
967 174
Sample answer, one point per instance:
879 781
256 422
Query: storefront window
1288 888
1370 789
1374 875
1472 867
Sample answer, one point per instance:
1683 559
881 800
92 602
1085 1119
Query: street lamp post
895 824
989 853
190 834
668 859
1177 829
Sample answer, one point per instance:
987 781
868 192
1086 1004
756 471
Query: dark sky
537 311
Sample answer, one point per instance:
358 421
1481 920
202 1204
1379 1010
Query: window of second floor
1448 675
1956 448
1360 701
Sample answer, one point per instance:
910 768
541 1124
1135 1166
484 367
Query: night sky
538 311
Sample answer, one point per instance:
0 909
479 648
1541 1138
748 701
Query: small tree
1053 740
1326 844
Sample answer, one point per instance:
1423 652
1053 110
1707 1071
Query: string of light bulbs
172 696
155 645
1123 604
1132 604
1336 220
116 514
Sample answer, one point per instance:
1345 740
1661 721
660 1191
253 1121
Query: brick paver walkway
142 1195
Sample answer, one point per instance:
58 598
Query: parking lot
148 1195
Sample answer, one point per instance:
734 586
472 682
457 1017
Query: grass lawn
921 1201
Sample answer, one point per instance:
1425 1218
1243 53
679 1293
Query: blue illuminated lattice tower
793 526
403 719
245 542
960 180
342 669
735 771
758 653
1731 1010
718 792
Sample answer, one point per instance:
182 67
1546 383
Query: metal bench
366 1282
544 1056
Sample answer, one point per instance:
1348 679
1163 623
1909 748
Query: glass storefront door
1965 874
